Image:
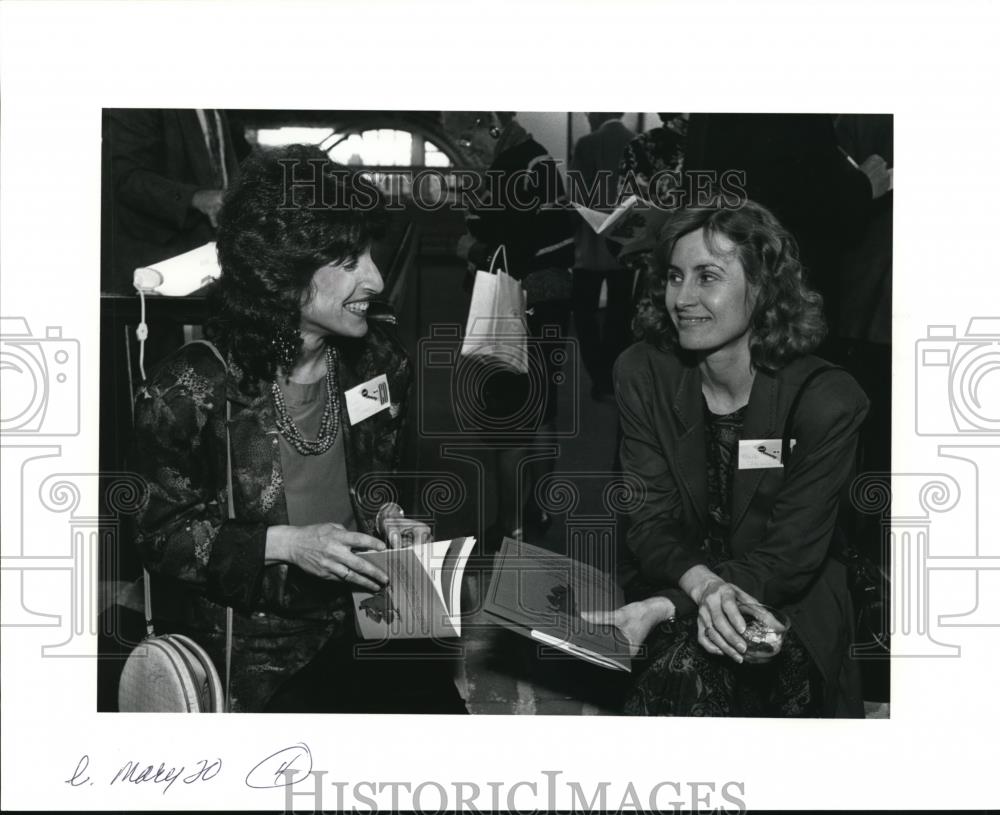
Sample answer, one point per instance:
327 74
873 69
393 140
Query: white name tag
760 454
367 399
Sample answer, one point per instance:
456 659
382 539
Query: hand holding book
542 595
634 620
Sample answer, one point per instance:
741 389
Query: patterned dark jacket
201 560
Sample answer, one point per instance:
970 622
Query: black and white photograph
568 454
644 356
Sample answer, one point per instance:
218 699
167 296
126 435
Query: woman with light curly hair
735 594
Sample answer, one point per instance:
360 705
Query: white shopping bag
497 328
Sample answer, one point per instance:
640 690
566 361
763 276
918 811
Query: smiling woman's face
338 299
707 295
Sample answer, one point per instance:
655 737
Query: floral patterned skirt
680 678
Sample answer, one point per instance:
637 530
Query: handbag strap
231 511
232 516
786 436
501 250
147 595
147 603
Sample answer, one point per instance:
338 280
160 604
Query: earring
286 343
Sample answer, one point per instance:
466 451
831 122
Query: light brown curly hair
787 320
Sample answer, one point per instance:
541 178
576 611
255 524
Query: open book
181 274
423 597
601 222
540 594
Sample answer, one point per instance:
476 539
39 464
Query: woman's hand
464 246
326 551
400 531
767 638
634 620
720 623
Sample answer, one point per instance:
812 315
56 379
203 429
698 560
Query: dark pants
600 348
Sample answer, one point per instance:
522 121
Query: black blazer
783 519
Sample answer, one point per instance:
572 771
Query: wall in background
550 128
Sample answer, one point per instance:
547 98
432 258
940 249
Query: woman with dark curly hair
256 451
735 595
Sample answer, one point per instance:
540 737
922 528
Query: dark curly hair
291 211
787 319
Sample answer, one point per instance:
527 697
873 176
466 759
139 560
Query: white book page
601 222
445 562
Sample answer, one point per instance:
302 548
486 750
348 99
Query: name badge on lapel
367 399
760 454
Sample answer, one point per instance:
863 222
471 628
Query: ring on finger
347 574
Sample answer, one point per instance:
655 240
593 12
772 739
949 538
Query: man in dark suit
165 172
596 157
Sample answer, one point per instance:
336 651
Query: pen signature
135 772
282 769
78 779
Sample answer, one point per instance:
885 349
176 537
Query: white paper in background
181 274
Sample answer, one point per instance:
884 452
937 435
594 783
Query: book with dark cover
540 595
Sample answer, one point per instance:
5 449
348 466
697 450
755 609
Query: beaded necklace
330 423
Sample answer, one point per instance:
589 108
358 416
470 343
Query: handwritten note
281 768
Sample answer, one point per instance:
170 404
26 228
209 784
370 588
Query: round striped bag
170 673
